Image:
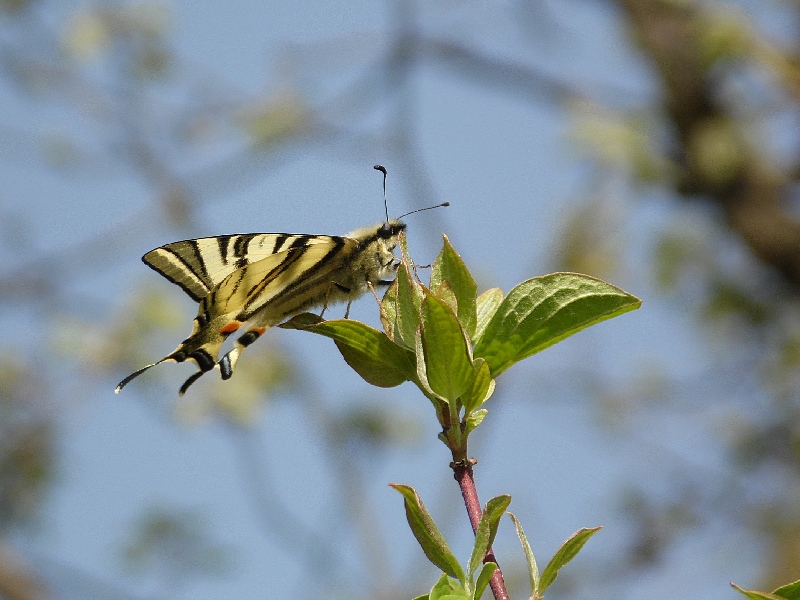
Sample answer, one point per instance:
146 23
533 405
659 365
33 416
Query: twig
466 481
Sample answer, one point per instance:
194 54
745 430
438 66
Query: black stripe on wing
199 265
181 263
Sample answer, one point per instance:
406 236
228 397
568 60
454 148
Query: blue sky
510 171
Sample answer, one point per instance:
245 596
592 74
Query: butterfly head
391 229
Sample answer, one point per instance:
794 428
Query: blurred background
652 143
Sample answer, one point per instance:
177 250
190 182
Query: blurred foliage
138 29
619 141
589 240
172 546
27 443
242 400
373 426
126 341
716 149
273 120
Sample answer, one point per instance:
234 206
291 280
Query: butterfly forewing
281 284
197 266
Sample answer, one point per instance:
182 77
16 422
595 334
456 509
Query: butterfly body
256 281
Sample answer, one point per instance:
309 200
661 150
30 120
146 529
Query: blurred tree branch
16 580
717 160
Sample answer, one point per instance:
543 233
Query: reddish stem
466 481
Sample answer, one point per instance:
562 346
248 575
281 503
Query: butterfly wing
278 286
261 292
258 280
199 265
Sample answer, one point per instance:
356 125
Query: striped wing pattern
258 279
197 266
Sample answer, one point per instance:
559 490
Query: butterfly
251 282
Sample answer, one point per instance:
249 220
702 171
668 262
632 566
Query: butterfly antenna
421 209
382 169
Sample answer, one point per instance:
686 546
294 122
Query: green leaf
486 305
484 577
533 569
448 363
368 351
790 591
421 379
566 553
447 589
423 597
754 595
407 304
487 530
446 294
449 267
475 419
389 311
481 389
428 535
544 310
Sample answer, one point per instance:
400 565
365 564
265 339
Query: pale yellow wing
199 265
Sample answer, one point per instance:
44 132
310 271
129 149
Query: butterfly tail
203 345
132 376
228 362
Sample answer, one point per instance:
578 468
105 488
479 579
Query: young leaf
754 595
446 294
428 535
486 306
544 310
449 267
407 304
422 376
484 577
566 553
789 591
487 529
475 419
368 351
389 311
447 589
481 389
448 363
533 569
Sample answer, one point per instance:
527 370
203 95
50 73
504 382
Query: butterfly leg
327 296
228 362
345 290
374 293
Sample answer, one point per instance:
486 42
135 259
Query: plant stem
463 475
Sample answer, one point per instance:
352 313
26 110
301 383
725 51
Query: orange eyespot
230 327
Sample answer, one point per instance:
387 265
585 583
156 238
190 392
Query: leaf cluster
458 584
452 343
